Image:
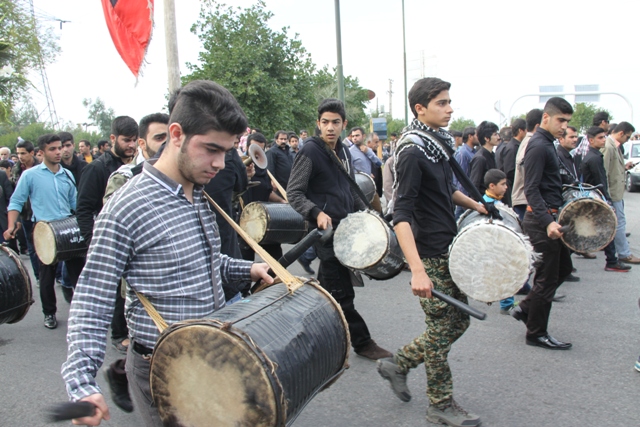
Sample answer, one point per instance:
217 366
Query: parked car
632 176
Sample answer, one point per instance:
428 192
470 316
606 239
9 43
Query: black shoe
50 321
306 266
558 297
517 313
571 278
119 387
618 267
68 293
627 234
549 343
524 290
573 270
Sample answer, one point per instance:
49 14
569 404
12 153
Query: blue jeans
622 244
507 303
520 210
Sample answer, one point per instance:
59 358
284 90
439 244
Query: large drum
365 242
269 223
257 362
58 240
367 185
15 287
490 259
590 220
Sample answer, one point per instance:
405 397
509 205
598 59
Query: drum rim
27 280
371 180
244 219
582 200
384 227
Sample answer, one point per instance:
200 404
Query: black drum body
590 220
257 362
16 295
367 185
364 242
58 240
269 223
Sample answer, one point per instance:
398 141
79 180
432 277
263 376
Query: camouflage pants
445 324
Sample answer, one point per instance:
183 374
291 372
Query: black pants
551 271
119 330
610 253
47 275
335 278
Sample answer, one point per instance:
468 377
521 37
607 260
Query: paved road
495 374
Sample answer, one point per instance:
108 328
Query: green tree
583 114
100 115
28 47
326 86
461 123
269 73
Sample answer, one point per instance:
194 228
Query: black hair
355 128
424 90
292 135
454 133
202 106
493 176
65 136
599 117
86 142
102 143
258 130
278 133
557 105
533 118
125 126
593 131
485 130
517 125
303 131
47 139
506 133
572 128
5 164
27 145
396 135
258 137
143 127
467 132
624 127
332 105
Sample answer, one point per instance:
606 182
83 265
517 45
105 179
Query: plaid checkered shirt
167 249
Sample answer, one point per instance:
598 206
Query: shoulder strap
70 175
352 183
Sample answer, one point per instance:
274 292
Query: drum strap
293 283
352 183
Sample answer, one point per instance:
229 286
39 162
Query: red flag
130 23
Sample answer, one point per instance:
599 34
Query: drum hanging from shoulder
591 221
366 184
269 223
58 240
490 259
16 295
365 242
255 363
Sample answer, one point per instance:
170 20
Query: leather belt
550 211
142 350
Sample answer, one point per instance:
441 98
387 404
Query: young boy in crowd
496 182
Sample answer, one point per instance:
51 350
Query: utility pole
171 42
404 50
390 92
339 66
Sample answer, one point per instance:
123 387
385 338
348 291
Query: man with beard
280 159
124 135
84 147
70 161
152 132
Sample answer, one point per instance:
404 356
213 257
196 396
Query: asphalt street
495 374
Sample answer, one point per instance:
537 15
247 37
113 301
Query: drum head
592 224
254 220
489 262
361 240
44 241
202 376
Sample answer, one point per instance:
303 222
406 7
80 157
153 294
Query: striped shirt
167 249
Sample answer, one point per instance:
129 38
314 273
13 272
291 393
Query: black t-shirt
424 201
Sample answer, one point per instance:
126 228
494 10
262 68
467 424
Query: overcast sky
492 51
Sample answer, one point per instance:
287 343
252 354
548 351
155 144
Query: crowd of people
140 207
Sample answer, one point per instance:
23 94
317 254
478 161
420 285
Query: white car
632 176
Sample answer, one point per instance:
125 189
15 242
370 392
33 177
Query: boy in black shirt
425 227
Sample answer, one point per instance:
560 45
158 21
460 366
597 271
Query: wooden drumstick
283 193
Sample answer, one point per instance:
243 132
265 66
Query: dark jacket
318 185
593 172
91 190
76 167
507 164
482 161
6 190
568 170
280 163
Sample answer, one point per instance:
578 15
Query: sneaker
637 366
452 415
67 292
630 259
572 278
391 372
121 345
50 321
119 388
372 351
306 266
618 267
507 310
